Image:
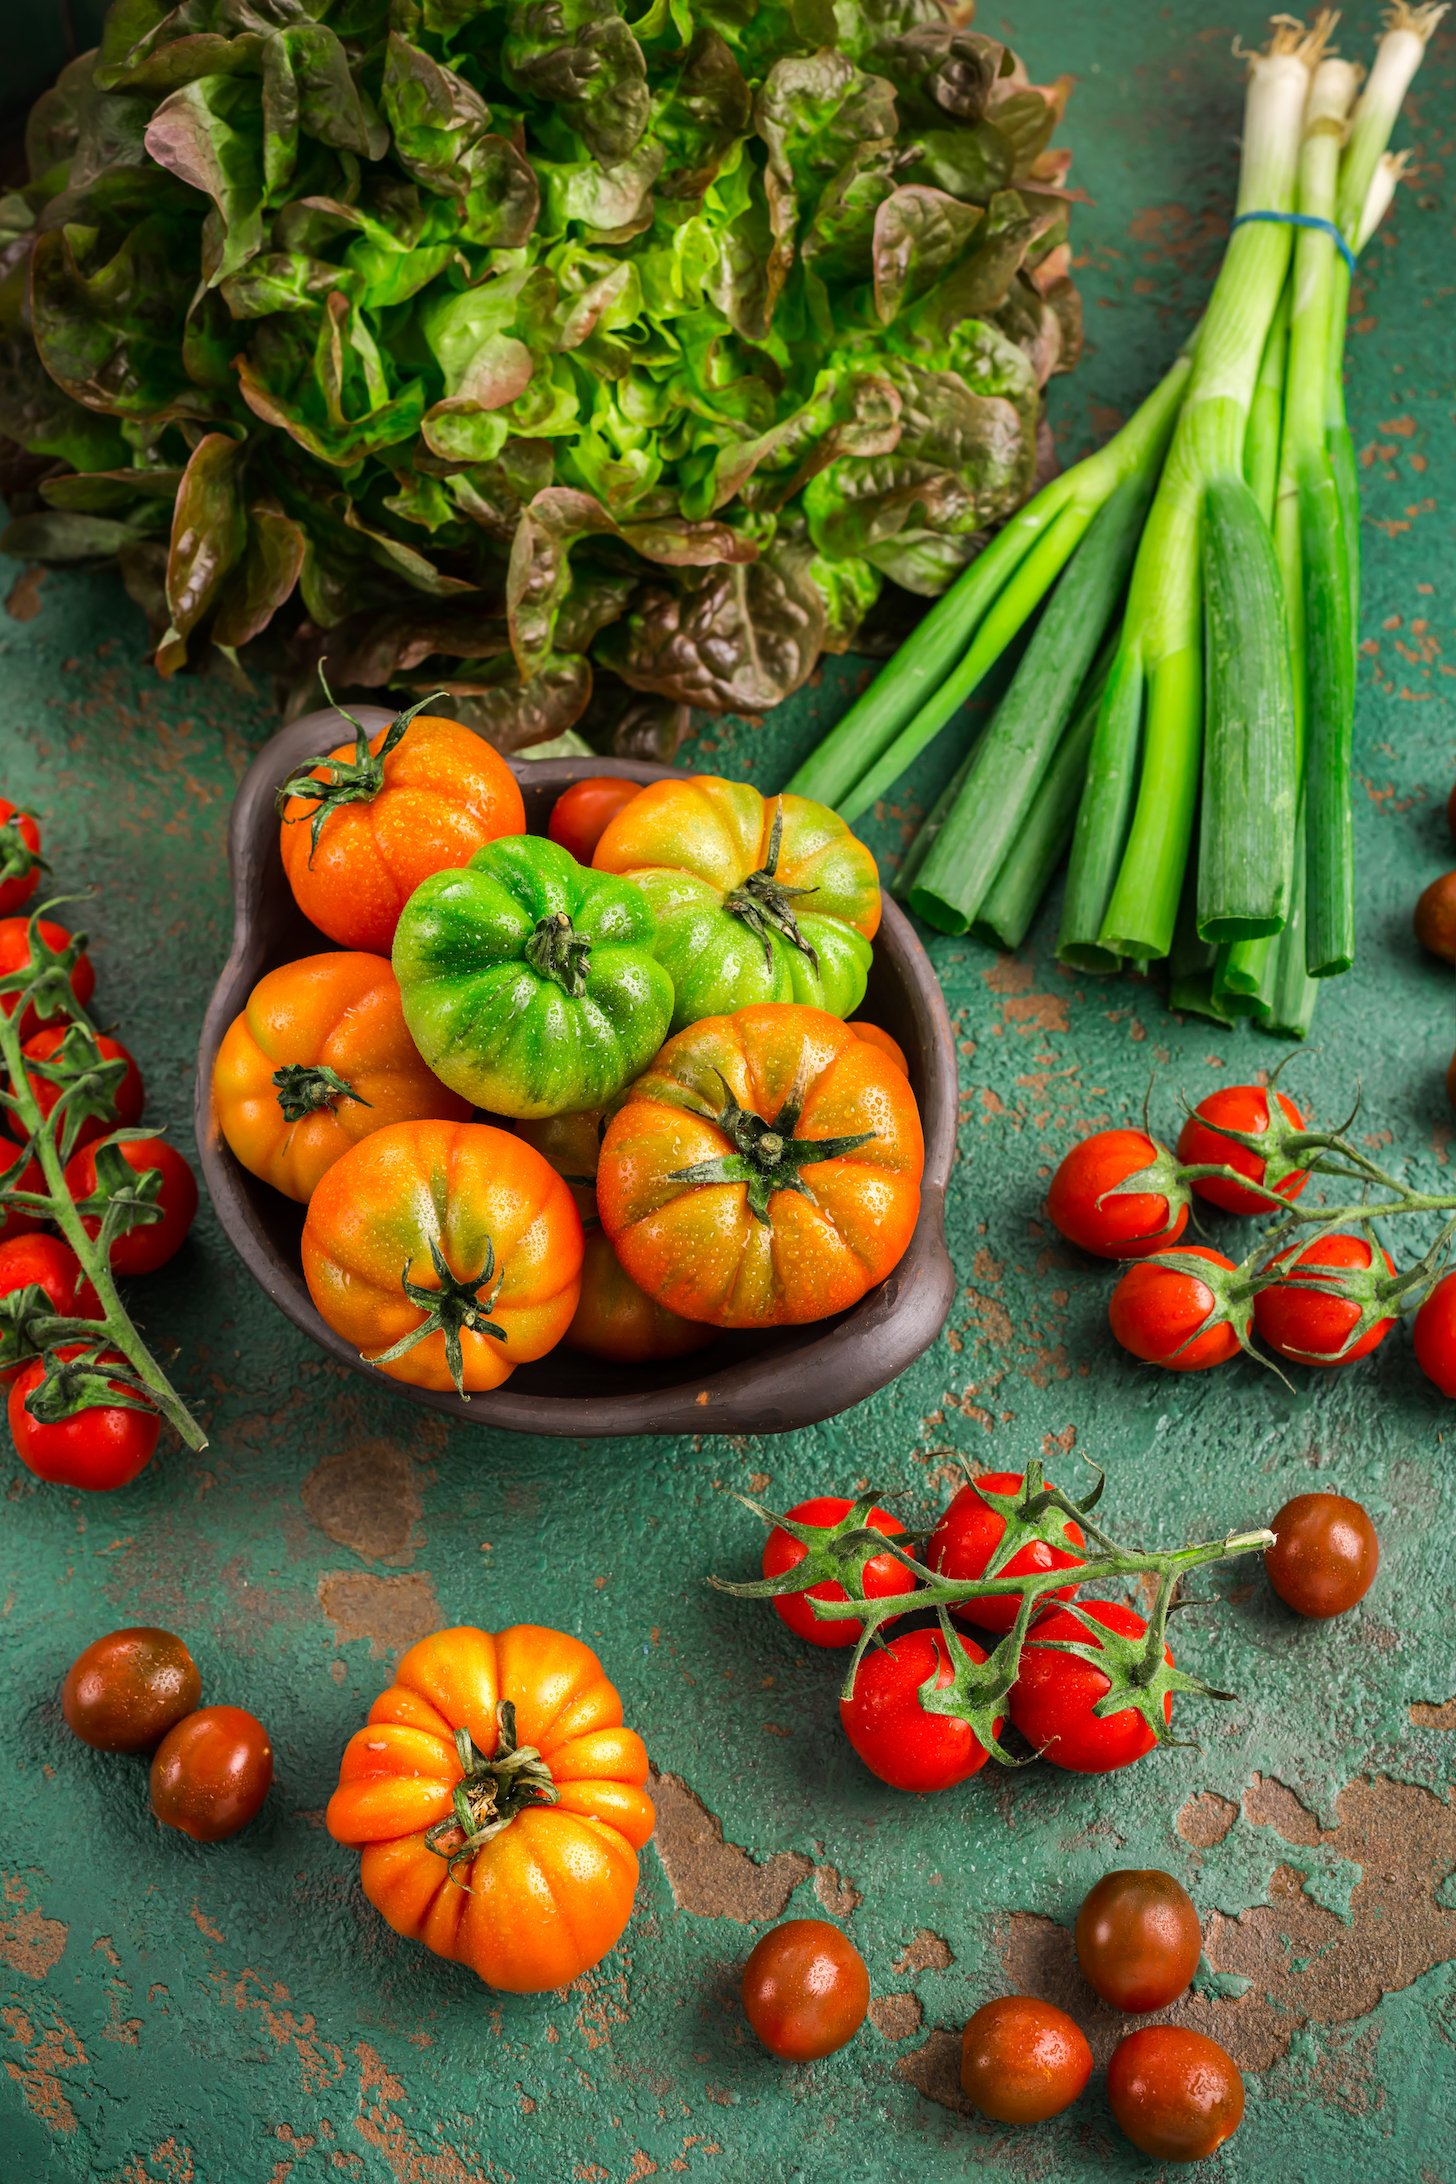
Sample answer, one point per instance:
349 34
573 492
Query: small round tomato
618 1322
880 1577
1435 918
969 1533
1238 1107
98 1448
18 1220
1325 1554
1023 2060
1138 1939
890 1729
1054 1697
1435 1334
581 814
44 1263
1312 1326
1087 1205
421 796
211 1773
20 857
805 1990
141 1250
124 1103
1176 2094
15 954
128 1689
1159 1314
887 1046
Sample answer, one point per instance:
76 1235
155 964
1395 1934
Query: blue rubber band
1304 220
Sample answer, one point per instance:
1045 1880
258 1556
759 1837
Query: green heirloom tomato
757 899
530 985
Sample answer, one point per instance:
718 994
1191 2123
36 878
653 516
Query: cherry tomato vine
100 1361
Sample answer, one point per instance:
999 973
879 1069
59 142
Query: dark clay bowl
740 1384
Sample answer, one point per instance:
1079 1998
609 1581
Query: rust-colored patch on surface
366 1498
935 2071
1426 1716
896 2016
321 2063
713 1878
23 603
924 1952
402 2153
839 1897
30 1943
391 1612
1270 1803
43 2057
1206 1819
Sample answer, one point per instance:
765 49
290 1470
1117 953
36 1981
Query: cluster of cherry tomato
1322 1562
102 1445
1172 1314
137 1691
1175 2093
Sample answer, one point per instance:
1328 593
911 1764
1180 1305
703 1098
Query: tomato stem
557 950
328 783
492 1792
305 1087
765 903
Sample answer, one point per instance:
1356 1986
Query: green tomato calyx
305 1087
454 1305
767 1156
17 859
493 1791
765 904
556 950
328 783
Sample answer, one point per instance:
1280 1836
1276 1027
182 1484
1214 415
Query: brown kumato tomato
1176 2094
211 1773
1023 2060
1138 1939
129 1688
805 1990
1325 1555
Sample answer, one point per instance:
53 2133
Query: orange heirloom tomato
319 1059
764 1171
448 1253
363 826
884 1042
497 1804
614 1320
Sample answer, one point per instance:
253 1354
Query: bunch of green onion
1180 719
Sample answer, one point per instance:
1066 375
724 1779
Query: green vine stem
1137 1673
44 984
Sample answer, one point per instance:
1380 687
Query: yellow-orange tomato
319 1058
390 810
448 1253
881 1039
765 1170
544 1897
615 1320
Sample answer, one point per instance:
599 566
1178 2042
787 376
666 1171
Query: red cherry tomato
1325 1554
1138 1939
1156 1312
1085 1206
19 857
968 1535
1236 1107
581 814
212 1772
1435 1335
15 954
882 1574
1053 1697
126 1100
42 1262
805 1990
151 1244
18 1220
100 1448
890 1729
1310 1326
1023 2060
1176 2094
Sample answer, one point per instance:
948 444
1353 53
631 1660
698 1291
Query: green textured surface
238 2013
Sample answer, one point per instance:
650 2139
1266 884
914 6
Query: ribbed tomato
319 1059
498 1806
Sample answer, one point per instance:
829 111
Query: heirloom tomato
497 1804
51 1272
891 1730
15 956
98 1173
447 1253
1055 1697
884 1042
965 1542
20 857
765 1170
62 1055
319 1059
880 1574
615 1320
581 814
757 898
129 1688
363 826
530 984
